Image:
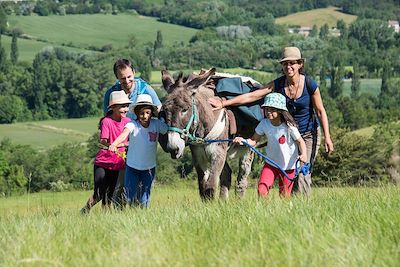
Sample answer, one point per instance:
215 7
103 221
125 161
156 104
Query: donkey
192 122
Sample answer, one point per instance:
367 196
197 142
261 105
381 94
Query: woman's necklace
293 89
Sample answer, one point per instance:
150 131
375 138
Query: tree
14 48
158 43
373 34
12 109
3 58
314 31
355 81
3 20
81 99
342 27
324 31
49 93
132 41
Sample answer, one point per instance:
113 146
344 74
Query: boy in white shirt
141 159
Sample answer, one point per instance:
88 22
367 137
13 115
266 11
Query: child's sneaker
85 210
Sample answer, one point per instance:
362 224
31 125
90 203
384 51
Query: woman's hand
216 102
302 158
328 145
113 148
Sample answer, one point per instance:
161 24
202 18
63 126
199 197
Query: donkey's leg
217 154
200 163
244 170
226 177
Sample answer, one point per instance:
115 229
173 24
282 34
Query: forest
231 33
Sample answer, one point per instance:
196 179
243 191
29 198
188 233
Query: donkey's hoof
224 193
208 194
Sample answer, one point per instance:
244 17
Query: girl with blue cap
285 145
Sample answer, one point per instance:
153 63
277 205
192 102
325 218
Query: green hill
83 31
318 17
27 49
46 134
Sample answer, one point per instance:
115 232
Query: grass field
317 17
46 134
82 31
368 86
335 227
27 49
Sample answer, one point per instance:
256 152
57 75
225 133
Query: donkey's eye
183 112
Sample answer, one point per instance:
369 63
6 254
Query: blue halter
185 133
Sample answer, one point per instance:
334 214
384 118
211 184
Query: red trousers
267 179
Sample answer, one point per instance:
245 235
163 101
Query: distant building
304 30
395 25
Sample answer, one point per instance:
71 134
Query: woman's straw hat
291 53
275 100
145 100
118 97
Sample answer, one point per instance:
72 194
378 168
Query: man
133 87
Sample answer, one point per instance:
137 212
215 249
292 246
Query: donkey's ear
167 81
201 79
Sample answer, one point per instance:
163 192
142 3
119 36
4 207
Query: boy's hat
275 100
118 97
145 100
291 53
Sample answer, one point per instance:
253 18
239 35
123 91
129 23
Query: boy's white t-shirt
143 143
281 146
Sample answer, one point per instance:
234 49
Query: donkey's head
179 110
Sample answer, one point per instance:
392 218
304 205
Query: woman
303 98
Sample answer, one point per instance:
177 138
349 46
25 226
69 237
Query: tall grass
335 227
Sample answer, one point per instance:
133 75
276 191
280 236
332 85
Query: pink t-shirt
110 130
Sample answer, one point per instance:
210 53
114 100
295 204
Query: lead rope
305 169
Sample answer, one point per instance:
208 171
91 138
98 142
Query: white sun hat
118 98
145 100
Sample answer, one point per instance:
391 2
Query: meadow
46 134
82 31
27 49
335 227
316 17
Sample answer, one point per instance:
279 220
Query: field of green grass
317 17
82 31
27 49
367 86
46 134
335 227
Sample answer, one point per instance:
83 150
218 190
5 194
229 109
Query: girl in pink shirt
107 164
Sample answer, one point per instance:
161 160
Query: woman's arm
120 139
242 99
323 118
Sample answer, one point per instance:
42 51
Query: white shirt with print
143 143
281 146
